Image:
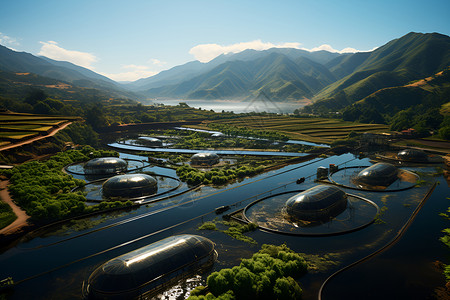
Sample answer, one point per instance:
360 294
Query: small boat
300 180
221 209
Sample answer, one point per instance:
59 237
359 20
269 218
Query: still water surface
53 263
238 106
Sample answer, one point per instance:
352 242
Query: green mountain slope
410 57
15 86
22 62
418 97
346 64
280 77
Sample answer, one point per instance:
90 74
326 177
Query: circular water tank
130 186
205 158
105 165
413 155
380 174
319 203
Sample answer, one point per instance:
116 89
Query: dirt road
13 145
22 217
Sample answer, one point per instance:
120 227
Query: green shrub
44 191
215 176
208 226
286 289
7 216
267 275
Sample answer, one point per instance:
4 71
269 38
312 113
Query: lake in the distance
238 107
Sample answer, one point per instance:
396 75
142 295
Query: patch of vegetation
385 198
378 219
268 274
235 131
208 226
421 106
7 216
235 229
79 133
194 176
202 140
446 240
44 191
321 263
77 225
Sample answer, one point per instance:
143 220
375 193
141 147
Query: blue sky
126 40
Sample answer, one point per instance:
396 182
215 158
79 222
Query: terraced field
316 130
16 127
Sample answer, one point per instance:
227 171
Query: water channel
53 263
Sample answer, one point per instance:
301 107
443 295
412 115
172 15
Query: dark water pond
52 263
270 214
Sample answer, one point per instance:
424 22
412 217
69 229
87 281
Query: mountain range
65 72
332 81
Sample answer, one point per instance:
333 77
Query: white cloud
328 48
135 67
207 52
8 41
51 50
156 62
134 72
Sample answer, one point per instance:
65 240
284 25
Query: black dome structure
105 165
412 155
320 203
205 158
129 186
142 271
379 174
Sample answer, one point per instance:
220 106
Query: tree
287 288
95 116
444 133
351 113
402 120
41 108
35 95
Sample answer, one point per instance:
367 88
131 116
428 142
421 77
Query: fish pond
401 226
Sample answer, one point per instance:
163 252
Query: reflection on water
94 190
72 254
77 169
238 106
346 177
129 147
270 213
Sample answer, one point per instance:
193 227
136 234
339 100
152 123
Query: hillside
423 101
16 85
408 58
279 76
332 80
185 72
22 62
